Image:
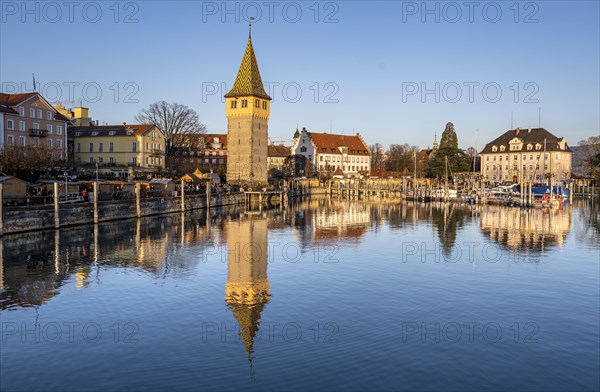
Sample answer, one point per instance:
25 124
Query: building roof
106 130
332 143
200 140
279 151
8 101
528 136
248 80
15 99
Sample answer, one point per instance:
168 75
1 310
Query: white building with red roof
329 152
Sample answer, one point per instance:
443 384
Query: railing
38 132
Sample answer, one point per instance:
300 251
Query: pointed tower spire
435 142
248 81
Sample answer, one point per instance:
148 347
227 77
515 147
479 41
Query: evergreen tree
458 160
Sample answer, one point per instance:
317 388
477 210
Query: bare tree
377 156
178 122
28 162
589 155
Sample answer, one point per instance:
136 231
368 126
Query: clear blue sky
361 72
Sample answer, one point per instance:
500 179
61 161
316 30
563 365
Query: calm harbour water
326 295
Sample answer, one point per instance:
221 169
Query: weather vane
250 27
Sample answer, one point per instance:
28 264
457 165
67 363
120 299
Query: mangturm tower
247 109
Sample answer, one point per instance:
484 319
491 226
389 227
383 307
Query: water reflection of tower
247 289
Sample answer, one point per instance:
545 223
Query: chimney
124 124
517 131
529 129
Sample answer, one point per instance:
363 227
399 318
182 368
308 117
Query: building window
10 139
264 105
516 157
302 149
49 115
58 143
244 103
233 103
22 111
21 125
59 130
78 147
10 124
257 103
91 159
134 147
50 129
111 160
39 113
49 143
100 147
36 141
32 112
110 147
21 140
133 161
100 160
91 149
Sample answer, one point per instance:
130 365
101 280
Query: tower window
265 105
244 103
233 104
257 103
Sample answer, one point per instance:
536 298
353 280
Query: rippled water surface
328 294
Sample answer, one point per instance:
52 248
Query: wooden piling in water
138 208
95 202
56 210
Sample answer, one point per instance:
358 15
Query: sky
396 72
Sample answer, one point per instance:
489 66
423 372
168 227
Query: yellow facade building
120 150
247 109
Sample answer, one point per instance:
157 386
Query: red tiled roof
14 99
331 142
278 151
9 100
